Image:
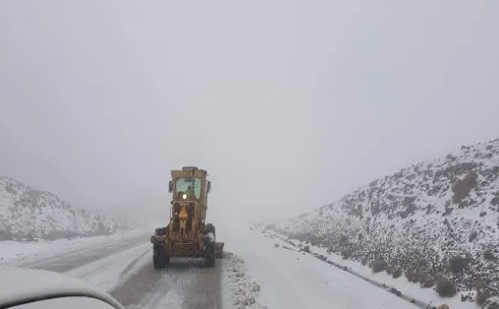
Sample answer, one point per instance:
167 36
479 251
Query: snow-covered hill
435 222
28 214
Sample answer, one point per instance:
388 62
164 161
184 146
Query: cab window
183 184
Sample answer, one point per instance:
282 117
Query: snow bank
240 291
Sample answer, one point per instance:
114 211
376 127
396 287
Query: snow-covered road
122 265
259 275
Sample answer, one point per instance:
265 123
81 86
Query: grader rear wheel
210 257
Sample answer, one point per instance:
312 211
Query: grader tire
159 258
210 258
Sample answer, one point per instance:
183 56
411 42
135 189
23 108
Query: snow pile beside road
239 287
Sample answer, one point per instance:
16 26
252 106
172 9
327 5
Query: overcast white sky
288 104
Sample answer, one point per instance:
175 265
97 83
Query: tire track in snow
106 272
82 256
126 271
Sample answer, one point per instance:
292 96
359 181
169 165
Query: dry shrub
462 187
479 284
389 270
346 254
457 264
364 261
378 265
343 240
397 272
445 287
426 280
412 275
488 254
482 296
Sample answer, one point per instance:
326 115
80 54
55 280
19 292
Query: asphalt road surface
185 283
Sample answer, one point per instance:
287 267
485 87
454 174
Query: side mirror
208 187
170 186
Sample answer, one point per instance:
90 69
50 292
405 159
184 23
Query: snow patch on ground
14 253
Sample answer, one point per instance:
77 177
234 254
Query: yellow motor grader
187 234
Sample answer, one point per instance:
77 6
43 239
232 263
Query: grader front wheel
159 259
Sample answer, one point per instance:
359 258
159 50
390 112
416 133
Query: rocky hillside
28 214
435 222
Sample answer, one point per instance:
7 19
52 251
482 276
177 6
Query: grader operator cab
187 234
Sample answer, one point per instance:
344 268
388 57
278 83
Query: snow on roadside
113 270
291 279
16 253
240 290
412 290
139 264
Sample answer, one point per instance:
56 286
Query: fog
287 104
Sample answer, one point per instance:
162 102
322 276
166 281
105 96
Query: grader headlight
184 196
